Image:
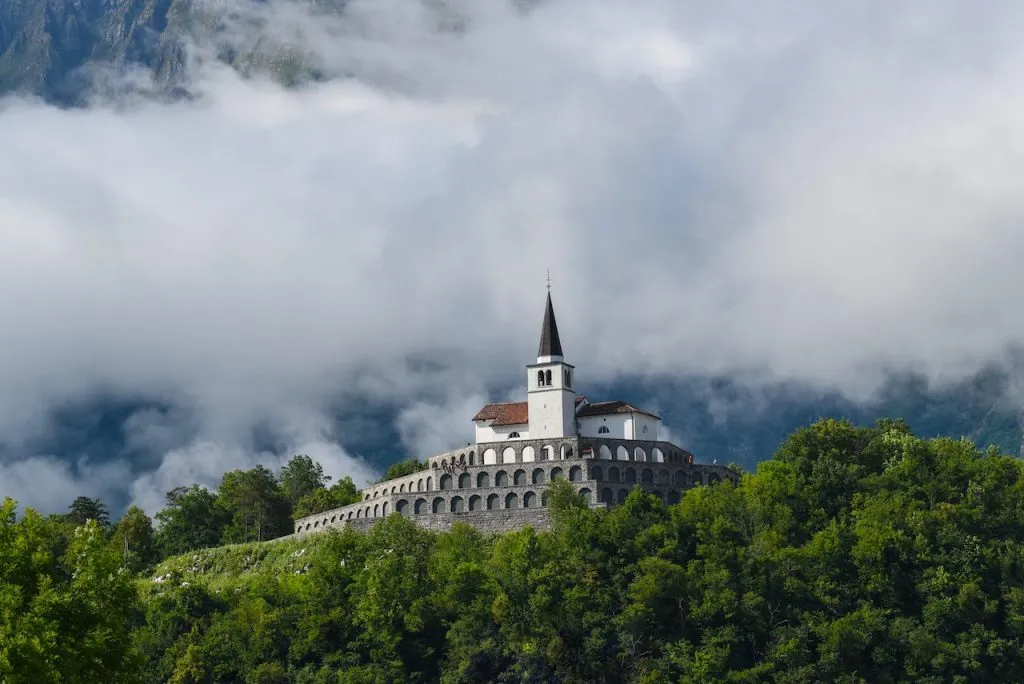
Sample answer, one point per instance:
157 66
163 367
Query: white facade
500 433
551 399
631 425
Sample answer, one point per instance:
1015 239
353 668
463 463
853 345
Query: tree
133 537
192 520
342 493
84 509
65 616
300 476
403 468
256 505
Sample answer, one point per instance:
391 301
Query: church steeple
550 346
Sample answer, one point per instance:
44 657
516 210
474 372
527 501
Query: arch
529 500
529 455
483 480
474 502
465 481
646 476
596 473
334 518
586 495
540 378
376 494
663 477
366 497
568 378
402 507
680 479
565 451
621 454
604 453
519 478
629 476
376 510
547 453
613 474
419 485
697 479
493 502
359 514
430 484
393 490
575 474
490 457
420 507
508 455
607 496
657 456
673 497
547 377
501 479
513 435
472 458
349 516
384 509
457 505
316 524
445 482
538 476
623 493
639 454
438 505
556 473
603 430
512 500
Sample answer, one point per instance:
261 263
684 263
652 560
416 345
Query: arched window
513 435
547 377
568 378
540 378
603 430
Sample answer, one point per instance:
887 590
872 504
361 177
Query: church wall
499 433
644 427
616 423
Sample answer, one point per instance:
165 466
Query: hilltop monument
498 482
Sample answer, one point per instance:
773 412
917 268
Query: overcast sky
794 190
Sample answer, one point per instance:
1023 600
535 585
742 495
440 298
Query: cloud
787 191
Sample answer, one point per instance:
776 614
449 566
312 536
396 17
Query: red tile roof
604 408
517 413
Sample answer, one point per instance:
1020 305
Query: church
497 483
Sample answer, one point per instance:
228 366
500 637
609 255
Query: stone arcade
604 449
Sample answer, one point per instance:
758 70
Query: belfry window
568 378
547 377
603 430
540 378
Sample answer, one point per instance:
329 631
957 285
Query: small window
568 378
513 435
540 378
547 377
603 430
645 429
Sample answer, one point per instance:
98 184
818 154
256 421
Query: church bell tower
549 383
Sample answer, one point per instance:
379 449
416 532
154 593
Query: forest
853 554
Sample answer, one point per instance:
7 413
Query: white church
554 410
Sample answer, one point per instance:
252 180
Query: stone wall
510 492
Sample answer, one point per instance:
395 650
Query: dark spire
550 345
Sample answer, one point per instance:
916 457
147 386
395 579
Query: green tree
403 468
133 536
256 505
341 493
191 520
84 509
65 616
300 476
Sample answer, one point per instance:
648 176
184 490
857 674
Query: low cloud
786 192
